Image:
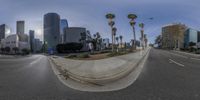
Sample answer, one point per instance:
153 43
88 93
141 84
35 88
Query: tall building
198 36
74 34
32 40
4 31
38 45
173 36
51 30
20 27
198 39
63 25
190 36
77 35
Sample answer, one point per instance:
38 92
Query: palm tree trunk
134 42
112 39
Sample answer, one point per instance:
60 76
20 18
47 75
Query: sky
91 15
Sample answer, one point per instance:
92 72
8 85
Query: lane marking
35 61
179 55
195 58
176 63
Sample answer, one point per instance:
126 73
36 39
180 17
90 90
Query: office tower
173 36
51 30
63 25
20 27
32 40
4 31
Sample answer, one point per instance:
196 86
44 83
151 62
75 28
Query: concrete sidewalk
99 71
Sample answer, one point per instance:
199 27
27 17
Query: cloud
91 14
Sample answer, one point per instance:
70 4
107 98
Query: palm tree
114 30
111 23
117 39
132 22
120 37
141 25
98 38
16 49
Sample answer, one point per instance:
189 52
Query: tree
132 22
69 47
141 25
111 23
120 37
25 51
99 40
158 41
16 49
114 34
7 49
2 50
191 44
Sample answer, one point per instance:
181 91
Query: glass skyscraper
32 37
51 30
4 31
20 27
63 25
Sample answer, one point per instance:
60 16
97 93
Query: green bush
84 55
25 51
71 56
116 54
69 47
197 52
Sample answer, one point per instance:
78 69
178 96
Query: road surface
165 76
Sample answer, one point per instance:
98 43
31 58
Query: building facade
190 35
77 35
12 41
63 25
173 36
51 30
4 31
37 45
20 27
32 40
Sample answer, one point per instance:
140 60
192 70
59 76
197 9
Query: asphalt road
165 76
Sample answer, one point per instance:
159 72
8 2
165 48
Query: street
166 76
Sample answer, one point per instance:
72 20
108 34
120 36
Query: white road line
35 61
179 55
176 63
195 58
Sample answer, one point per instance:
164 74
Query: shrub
69 47
197 52
25 51
116 54
71 56
84 55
